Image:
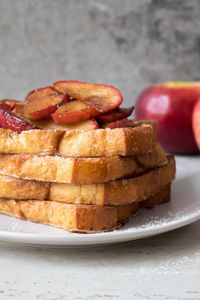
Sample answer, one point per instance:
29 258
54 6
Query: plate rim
100 238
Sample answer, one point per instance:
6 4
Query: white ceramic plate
183 209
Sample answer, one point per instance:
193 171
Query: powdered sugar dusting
160 221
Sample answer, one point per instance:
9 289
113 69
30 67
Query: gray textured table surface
162 267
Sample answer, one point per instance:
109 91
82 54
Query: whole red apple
171 104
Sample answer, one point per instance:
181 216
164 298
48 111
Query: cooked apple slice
196 122
84 125
119 124
102 98
116 115
41 103
16 106
11 121
73 112
11 102
19 109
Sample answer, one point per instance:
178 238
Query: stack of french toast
71 158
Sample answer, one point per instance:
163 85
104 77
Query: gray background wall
127 43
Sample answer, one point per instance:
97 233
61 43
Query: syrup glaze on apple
66 105
9 120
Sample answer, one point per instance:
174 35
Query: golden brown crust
11 187
107 142
158 198
66 169
118 192
112 193
141 187
79 170
41 142
153 124
100 142
78 218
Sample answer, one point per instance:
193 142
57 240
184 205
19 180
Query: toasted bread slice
153 124
73 217
112 193
79 170
100 142
106 142
158 198
118 192
40 142
14 188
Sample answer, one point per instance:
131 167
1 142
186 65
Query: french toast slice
100 142
79 170
156 198
75 217
14 188
104 142
118 192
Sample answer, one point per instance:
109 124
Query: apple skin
171 104
73 112
196 122
42 102
103 98
115 115
11 121
119 124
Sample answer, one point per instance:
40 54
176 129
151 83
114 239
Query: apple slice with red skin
73 112
196 122
115 115
19 110
16 106
12 103
119 124
41 103
11 121
102 98
83 125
